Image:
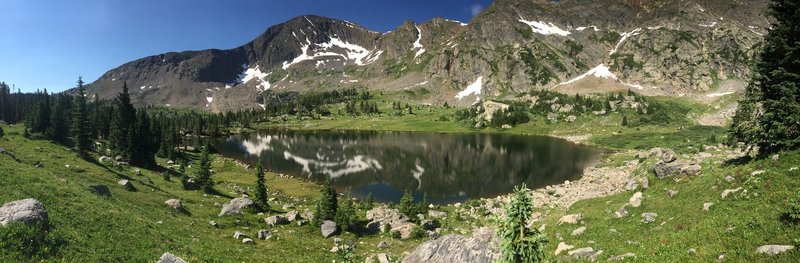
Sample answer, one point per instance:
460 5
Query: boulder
292 216
707 206
236 205
100 190
571 118
104 159
239 235
174 203
729 191
635 200
379 258
307 215
213 223
563 247
328 228
247 240
645 183
276 220
405 230
579 231
630 185
622 257
264 234
170 258
676 169
385 215
671 193
126 184
482 247
649 217
383 244
621 212
437 214
570 219
665 155
27 211
585 253
773 249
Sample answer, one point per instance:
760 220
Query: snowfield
474 88
625 36
352 52
545 28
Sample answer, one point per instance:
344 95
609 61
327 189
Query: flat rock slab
773 249
482 247
234 206
27 211
328 228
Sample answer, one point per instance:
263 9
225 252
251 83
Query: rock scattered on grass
170 258
27 211
729 191
773 249
707 206
636 199
570 219
563 247
649 217
579 231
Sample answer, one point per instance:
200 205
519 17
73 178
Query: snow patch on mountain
601 71
587 27
720 94
474 88
417 44
455 21
254 73
544 28
352 52
624 36
711 24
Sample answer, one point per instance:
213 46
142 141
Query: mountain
672 48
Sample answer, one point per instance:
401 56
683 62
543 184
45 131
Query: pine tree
261 188
346 214
203 173
122 124
142 152
58 121
769 114
80 123
326 206
2 133
406 205
519 242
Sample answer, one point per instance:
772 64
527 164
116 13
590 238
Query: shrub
326 206
793 214
346 214
520 243
418 233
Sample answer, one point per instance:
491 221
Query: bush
418 233
26 243
793 214
396 234
346 214
520 243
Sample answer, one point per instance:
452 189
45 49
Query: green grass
138 227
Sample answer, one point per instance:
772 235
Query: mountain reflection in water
448 167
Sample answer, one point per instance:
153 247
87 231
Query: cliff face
654 47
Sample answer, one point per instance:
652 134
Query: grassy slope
125 228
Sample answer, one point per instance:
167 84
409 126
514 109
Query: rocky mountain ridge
574 46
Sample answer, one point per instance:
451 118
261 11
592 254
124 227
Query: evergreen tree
142 152
203 173
80 123
326 206
261 188
122 124
346 214
769 114
406 205
58 120
519 242
2 133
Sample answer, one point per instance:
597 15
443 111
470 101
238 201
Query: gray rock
39 164
579 231
27 211
707 206
630 185
170 258
307 215
571 118
239 235
649 217
586 253
292 216
385 215
482 247
563 247
213 223
621 212
276 220
126 184
328 228
676 169
773 249
174 203
100 190
437 214
432 234
552 117
645 183
264 234
671 193
776 157
622 257
247 241
236 205
636 199
570 219
729 191
405 230
729 178
383 244
104 159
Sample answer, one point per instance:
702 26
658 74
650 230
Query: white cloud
476 9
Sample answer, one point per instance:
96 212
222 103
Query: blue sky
47 44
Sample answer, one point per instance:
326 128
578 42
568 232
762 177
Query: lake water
448 167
